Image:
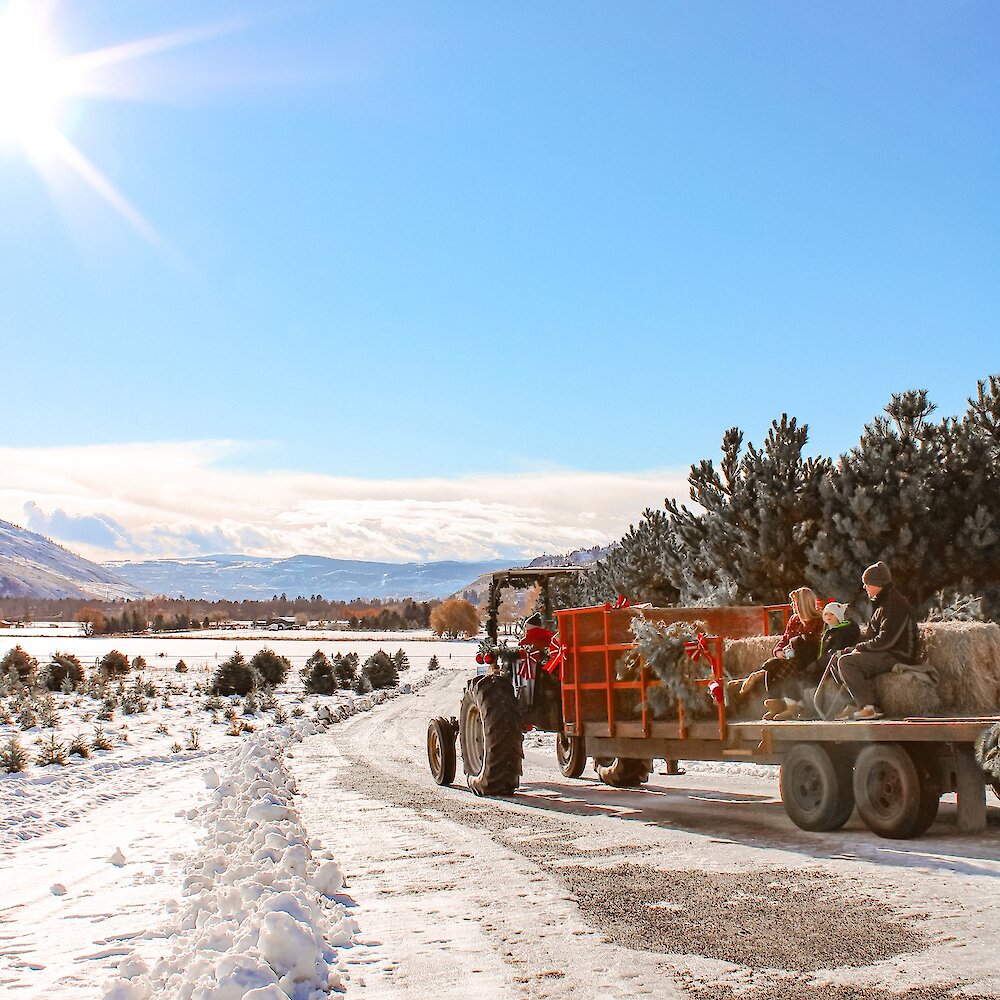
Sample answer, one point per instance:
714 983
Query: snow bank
260 920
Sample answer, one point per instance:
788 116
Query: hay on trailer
905 695
741 657
966 656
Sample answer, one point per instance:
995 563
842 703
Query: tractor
520 690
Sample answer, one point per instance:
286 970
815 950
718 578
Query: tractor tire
888 792
816 788
490 735
441 754
623 772
571 755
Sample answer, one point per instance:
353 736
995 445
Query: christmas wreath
660 646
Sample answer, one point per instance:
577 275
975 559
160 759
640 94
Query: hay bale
742 657
903 696
967 658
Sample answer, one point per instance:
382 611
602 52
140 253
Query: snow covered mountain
32 566
235 577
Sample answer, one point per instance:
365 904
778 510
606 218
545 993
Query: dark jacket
893 627
835 638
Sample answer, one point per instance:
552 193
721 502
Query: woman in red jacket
781 675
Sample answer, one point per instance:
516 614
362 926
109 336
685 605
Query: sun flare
39 85
34 83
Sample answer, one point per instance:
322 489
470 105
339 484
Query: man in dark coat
891 637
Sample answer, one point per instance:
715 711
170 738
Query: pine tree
380 671
52 751
346 668
318 675
13 756
878 504
23 664
272 668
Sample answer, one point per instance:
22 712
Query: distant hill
478 590
234 577
579 557
32 566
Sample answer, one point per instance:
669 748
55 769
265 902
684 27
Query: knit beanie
877 575
839 611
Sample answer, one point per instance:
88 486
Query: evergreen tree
318 675
272 668
346 668
25 665
878 503
63 669
380 671
114 664
234 676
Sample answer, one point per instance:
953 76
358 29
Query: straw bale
967 658
903 696
742 657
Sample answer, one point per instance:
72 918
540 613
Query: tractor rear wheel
491 737
571 755
441 754
623 772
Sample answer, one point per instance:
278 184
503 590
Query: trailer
893 771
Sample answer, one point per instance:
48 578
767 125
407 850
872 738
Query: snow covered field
124 876
177 865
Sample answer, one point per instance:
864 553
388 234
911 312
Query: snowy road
698 886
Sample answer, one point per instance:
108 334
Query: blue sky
453 243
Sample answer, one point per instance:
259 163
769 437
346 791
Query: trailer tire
490 736
887 789
571 755
930 795
816 788
623 772
441 754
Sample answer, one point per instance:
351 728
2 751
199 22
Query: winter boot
792 710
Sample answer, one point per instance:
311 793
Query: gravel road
697 886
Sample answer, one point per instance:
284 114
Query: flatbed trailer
893 770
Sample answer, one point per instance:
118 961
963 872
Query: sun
34 83
39 85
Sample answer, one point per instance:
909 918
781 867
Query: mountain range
236 577
33 566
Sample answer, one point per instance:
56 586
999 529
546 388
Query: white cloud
178 499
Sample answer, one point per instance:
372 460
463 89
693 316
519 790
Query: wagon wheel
816 788
887 789
571 755
441 754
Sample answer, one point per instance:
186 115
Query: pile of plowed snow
260 919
